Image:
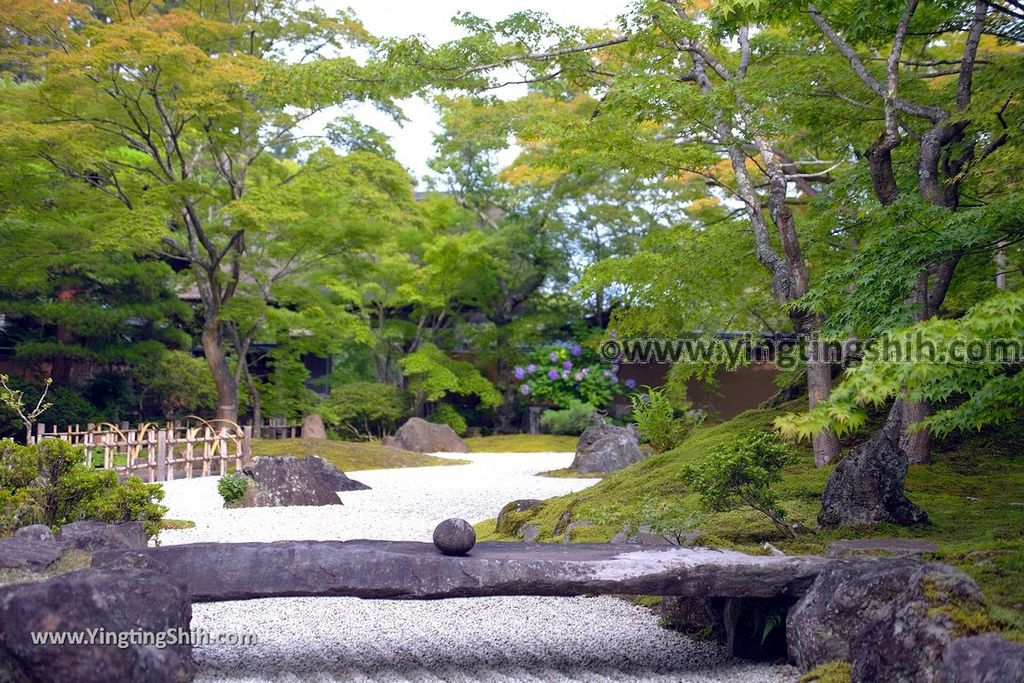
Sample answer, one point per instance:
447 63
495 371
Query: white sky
413 142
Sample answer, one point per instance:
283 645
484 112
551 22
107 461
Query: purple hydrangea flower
525 389
615 367
567 365
576 350
552 374
520 373
585 371
531 368
631 383
553 356
615 380
606 373
579 376
565 374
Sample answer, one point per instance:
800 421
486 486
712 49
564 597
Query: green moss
972 492
348 456
829 672
70 561
523 443
651 601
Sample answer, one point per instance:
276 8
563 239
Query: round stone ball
454 537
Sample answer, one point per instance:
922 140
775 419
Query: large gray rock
284 481
28 553
888 617
426 437
313 427
606 448
88 534
113 602
982 659
866 486
405 569
454 537
335 478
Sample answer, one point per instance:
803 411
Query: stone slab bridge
411 570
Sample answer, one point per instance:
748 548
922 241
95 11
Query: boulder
335 478
37 532
106 603
28 553
866 486
530 533
426 437
891 618
606 448
285 481
512 518
313 427
92 535
987 658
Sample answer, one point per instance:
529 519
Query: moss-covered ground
973 492
348 455
522 443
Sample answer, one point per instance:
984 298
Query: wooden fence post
246 445
161 457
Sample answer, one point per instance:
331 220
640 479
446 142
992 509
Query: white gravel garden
491 639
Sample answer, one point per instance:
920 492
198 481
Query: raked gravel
478 639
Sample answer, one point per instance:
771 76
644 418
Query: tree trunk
916 443
227 387
819 386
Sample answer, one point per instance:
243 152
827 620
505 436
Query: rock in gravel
92 535
866 486
313 427
426 437
28 553
286 481
606 448
511 518
335 478
454 537
109 602
37 532
986 658
889 617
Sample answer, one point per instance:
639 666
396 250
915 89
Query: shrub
232 487
573 420
658 421
561 374
50 484
741 473
446 414
365 408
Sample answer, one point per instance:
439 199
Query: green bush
50 484
365 409
741 473
658 421
446 414
573 420
232 488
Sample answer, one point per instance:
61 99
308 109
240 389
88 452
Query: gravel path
479 639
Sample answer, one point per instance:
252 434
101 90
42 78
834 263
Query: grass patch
522 443
177 524
972 493
348 455
566 473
